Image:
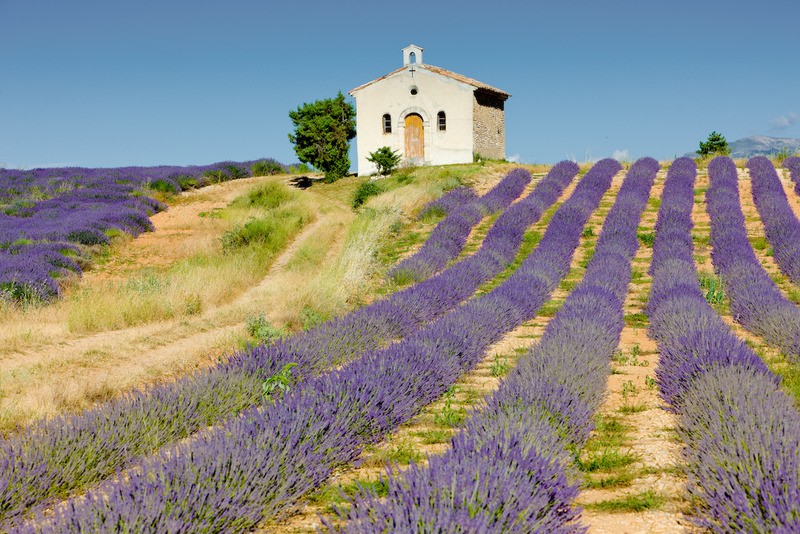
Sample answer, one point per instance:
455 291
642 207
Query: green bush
310 318
163 186
716 144
236 172
266 168
187 182
265 232
268 195
259 329
216 177
385 159
404 178
364 191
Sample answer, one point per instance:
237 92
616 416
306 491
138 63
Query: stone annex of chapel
429 115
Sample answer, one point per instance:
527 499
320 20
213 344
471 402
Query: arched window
387 123
442 121
412 57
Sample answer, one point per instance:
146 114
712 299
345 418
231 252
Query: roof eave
477 85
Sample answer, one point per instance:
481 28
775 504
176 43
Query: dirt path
97 367
632 480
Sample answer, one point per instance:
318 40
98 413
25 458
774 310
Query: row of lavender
447 240
47 213
742 433
780 223
57 456
260 464
793 164
507 469
450 201
52 181
756 302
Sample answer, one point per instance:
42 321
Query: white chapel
429 115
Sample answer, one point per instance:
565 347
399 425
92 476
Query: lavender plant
780 223
739 428
449 236
259 464
755 300
445 204
793 164
538 416
60 455
45 212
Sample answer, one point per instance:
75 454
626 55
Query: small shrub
364 191
188 182
433 214
647 238
278 383
235 172
404 178
268 195
403 277
266 168
385 159
713 288
194 304
271 233
164 186
500 366
448 415
22 294
310 318
759 243
216 177
650 382
261 330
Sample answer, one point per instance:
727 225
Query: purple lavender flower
545 404
741 431
793 164
756 302
259 464
56 456
780 223
448 237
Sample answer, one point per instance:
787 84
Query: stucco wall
434 93
489 136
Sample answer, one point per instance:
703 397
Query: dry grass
168 302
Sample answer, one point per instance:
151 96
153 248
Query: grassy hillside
230 264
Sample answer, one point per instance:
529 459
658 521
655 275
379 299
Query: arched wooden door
415 139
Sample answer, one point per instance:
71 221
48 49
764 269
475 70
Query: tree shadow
302 182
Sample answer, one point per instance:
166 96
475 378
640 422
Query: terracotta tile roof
442 72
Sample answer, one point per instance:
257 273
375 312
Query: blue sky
104 83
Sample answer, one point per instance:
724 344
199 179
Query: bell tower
412 54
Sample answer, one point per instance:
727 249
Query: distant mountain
761 145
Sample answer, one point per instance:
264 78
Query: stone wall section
489 125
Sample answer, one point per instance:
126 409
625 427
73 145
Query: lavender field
597 348
49 215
